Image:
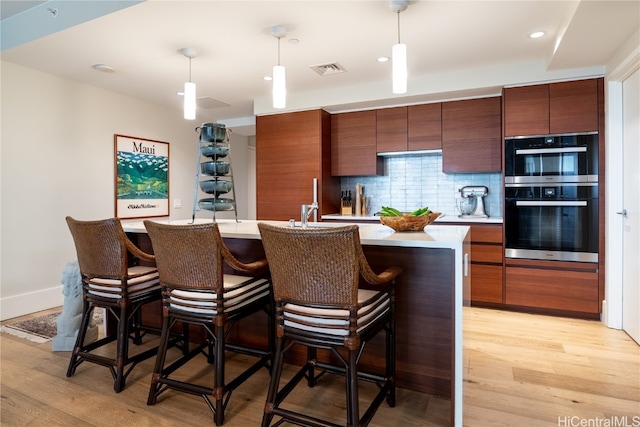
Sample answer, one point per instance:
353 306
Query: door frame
612 304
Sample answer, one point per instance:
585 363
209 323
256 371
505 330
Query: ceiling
142 41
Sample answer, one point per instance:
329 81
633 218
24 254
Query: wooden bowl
409 223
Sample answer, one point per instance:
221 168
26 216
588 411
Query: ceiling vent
327 69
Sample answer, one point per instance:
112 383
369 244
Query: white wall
57 159
622 65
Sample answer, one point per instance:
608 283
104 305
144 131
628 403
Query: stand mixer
471 204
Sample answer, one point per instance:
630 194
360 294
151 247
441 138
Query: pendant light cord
398 27
278 50
189 70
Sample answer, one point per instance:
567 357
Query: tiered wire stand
214 175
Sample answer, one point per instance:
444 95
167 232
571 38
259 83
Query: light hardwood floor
520 370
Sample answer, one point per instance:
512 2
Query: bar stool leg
276 373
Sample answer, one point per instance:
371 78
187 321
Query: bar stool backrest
188 256
101 247
314 265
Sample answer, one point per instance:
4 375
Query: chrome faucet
307 210
305 213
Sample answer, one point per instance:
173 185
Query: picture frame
141 177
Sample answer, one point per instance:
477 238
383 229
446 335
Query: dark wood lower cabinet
486 283
487 269
569 288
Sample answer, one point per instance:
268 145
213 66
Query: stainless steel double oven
551 197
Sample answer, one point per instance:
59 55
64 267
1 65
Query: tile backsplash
410 182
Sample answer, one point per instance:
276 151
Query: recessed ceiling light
536 34
104 68
267 78
383 59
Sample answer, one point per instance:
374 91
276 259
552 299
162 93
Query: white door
631 200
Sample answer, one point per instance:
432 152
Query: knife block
345 208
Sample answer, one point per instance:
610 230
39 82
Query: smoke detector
327 69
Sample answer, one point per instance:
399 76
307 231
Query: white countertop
433 236
442 218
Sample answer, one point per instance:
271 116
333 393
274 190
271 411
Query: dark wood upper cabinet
353 144
573 106
291 150
526 110
391 129
424 127
563 107
472 135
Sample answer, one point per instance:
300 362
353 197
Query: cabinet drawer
486 253
486 283
552 289
486 233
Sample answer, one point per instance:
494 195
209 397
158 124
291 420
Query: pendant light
189 88
279 82
399 53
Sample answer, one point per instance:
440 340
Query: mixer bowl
466 205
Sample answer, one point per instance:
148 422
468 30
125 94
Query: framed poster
142 177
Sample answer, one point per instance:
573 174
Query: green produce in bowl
389 211
421 212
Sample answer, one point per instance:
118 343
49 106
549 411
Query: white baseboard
30 302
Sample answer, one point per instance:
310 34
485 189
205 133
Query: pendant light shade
399 64
399 53
279 87
189 88
190 101
279 81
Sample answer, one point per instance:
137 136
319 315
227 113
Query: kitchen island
430 294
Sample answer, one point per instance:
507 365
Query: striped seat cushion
238 292
142 280
336 321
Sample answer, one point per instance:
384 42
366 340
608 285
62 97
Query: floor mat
40 329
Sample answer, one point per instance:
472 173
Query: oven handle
554 203
551 150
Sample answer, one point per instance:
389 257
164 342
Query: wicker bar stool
315 274
110 281
195 290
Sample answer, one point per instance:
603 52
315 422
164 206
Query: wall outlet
177 203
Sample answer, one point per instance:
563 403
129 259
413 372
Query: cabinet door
563 290
353 144
486 283
424 127
573 106
391 129
526 110
287 159
472 136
